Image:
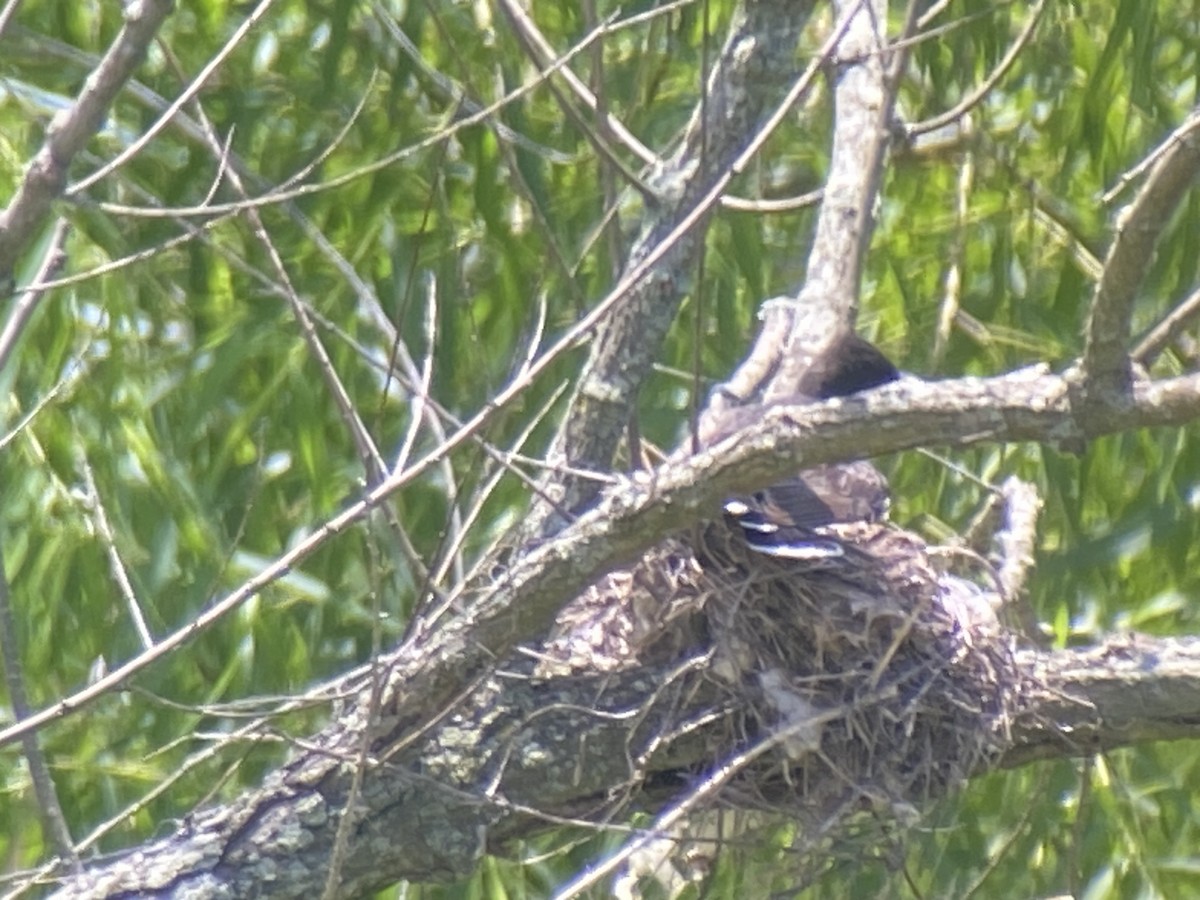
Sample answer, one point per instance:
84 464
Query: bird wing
828 495
791 519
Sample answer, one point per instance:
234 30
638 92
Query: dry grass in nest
868 683
860 676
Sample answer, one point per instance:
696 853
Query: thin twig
23 308
274 196
188 94
980 94
540 51
1162 335
109 539
6 14
952 292
54 823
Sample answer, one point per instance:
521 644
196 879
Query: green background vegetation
180 377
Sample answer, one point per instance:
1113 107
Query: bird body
786 519
792 519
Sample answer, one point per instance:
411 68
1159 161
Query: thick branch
523 755
423 814
1106 351
433 668
749 74
828 302
1130 690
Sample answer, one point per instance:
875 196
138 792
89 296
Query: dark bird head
846 366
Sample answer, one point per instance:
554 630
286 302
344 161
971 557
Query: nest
632 617
870 681
876 680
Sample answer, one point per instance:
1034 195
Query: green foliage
181 380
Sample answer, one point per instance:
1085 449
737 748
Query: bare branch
630 517
828 302
54 823
451 92
1163 334
951 305
1128 690
978 95
538 49
1016 537
109 539
22 310
188 94
289 192
71 129
1106 363
6 14
756 54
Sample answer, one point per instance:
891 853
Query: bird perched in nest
789 519
651 611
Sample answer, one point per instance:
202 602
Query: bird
791 519
845 366
787 519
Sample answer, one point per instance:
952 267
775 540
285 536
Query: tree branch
1106 364
827 304
753 67
71 129
578 749
1024 406
432 667
1129 690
